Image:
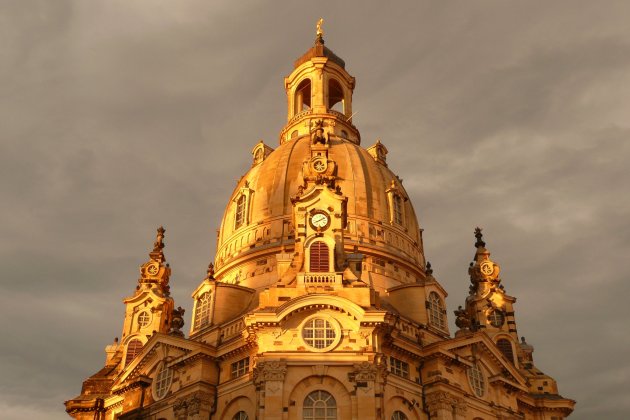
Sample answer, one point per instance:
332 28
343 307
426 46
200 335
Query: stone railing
320 279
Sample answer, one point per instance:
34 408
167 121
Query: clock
319 165
487 268
320 220
153 269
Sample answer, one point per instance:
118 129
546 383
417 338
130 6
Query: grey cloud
117 117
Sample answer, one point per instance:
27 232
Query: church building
320 304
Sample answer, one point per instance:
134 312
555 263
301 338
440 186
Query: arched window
133 348
437 316
399 415
335 96
319 260
239 217
303 96
241 415
202 311
506 348
319 405
398 210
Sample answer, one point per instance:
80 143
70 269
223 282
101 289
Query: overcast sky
117 116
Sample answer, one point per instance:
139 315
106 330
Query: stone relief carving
269 371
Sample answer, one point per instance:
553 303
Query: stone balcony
320 281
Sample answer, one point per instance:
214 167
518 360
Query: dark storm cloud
119 116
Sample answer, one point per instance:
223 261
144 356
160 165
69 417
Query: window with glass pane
437 318
399 415
202 311
319 405
496 318
143 319
398 367
241 415
239 217
398 211
163 381
318 333
476 379
240 368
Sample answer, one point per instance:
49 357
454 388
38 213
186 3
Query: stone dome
246 246
369 233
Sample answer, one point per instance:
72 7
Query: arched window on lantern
437 312
303 96
336 100
319 257
133 349
505 347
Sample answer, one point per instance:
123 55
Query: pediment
478 345
159 347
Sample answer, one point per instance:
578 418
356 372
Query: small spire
479 236
157 254
428 270
320 32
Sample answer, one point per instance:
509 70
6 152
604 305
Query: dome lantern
319 87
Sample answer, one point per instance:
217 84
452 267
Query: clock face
487 268
153 269
319 165
320 220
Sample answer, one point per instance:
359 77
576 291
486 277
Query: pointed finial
479 236
159 240
428 269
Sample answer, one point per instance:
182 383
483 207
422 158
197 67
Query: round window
320 333
477 380
496 318
162 382
143 319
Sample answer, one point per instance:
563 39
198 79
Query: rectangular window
240 368
398 367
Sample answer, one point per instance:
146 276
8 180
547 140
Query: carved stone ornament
363 372
191 405
177 322
463 320
269 371
443 401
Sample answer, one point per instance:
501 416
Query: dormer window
239 217
396 201
398 210
437 313
202 311
242 203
